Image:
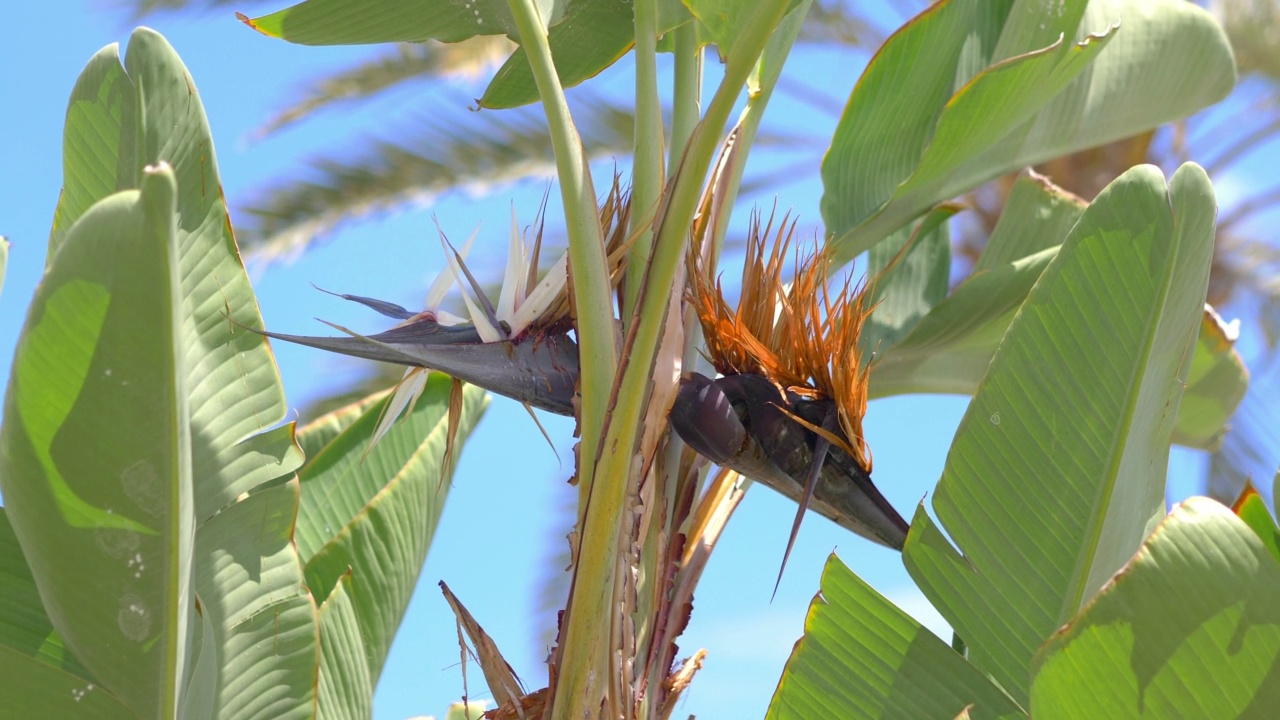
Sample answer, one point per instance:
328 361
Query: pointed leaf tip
254 24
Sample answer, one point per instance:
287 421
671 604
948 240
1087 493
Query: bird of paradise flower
788 406
519 347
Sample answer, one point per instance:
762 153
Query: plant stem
587 268
686 107
646 191
657 533
647 170
686 104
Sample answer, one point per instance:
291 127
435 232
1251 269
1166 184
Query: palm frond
485 150
402 63
1243 139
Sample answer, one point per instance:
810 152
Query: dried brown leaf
502 680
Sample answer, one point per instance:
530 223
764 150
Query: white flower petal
444 317
406 395
540 298
440 286
487 332
514 274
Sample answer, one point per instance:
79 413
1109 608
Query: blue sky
504 519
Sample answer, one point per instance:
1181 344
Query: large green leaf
1253 511
1215 387
949 349
96 440
229 368
1190 628
907 285
862 657
264 620
593 35
1036 216
992 91
223 409
725 21
345 689
100 152
315 435
370 517
36 671
359 22
1058 467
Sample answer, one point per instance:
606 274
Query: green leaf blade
350 22
724 21
99 141
983 111
1215 387
122 118
591 37
892 159
111 511
1037 216
263 617
250 581
36 669
949 349
373 516
235 388
1189 628
345 689
863 657
1253 511
1073 429
906 286
884 132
